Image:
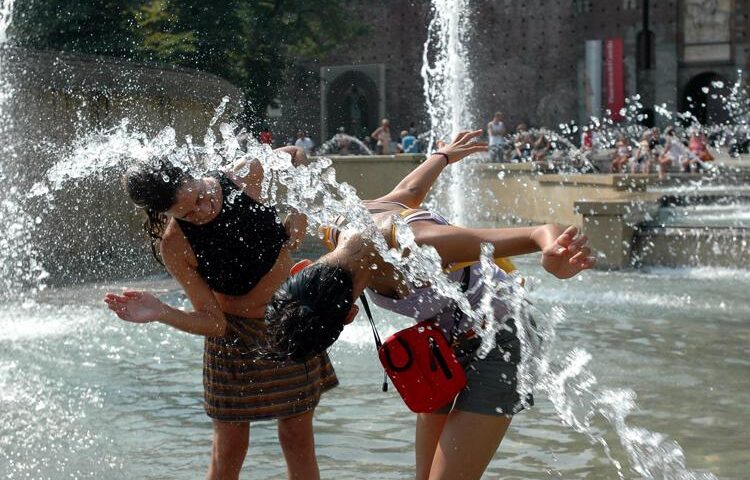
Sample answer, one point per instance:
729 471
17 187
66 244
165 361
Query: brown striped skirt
240 386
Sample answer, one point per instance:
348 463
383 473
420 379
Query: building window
706 31
582 6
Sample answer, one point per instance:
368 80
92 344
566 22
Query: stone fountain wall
92 231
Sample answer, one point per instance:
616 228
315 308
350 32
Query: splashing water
342 142
568 382
572 389
20 267
313 190
447 85
6 16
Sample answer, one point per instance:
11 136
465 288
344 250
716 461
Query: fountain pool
88 396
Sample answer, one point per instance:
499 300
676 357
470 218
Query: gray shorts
491 386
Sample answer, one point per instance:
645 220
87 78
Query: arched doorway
353 103
702 97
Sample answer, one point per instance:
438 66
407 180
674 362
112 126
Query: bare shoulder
247 173
174 247
246 169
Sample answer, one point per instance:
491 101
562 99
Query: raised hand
463 145
568 255
135 306
296 226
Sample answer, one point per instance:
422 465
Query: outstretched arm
206 319
564 251
299 157
413 189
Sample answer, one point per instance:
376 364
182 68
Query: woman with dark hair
229 252
309 311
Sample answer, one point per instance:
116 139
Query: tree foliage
102 27
251 43
161 37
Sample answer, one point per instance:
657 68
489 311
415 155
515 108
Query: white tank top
424 303
676 149
496 130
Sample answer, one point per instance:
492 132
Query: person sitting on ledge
622 155
642 158
675 154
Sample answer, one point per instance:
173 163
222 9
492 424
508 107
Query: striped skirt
240 386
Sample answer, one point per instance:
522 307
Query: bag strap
375 334
458 315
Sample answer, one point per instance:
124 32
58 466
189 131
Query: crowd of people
522 145
648 151
382 141
663 153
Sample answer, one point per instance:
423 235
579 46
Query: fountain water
447 86
566 377
343 144
570 385
19 265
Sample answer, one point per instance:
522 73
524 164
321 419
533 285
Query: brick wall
526 56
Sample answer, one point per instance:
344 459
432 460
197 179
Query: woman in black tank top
229 252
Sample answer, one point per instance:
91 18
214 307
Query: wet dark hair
307 313
153 186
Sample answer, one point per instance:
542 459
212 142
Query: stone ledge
618 181
505 167
94 74
401 157
611 208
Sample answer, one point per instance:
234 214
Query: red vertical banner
613 65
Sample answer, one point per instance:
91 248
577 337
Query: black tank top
238 247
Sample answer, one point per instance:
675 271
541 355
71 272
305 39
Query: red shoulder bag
420 361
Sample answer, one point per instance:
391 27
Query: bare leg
467 444
664 163
647 166
429 428
228 451
298 445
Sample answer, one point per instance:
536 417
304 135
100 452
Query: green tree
279 33
251 43
103 27
160 34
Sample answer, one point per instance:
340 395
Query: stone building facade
528 60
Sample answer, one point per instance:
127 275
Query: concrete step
690 246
